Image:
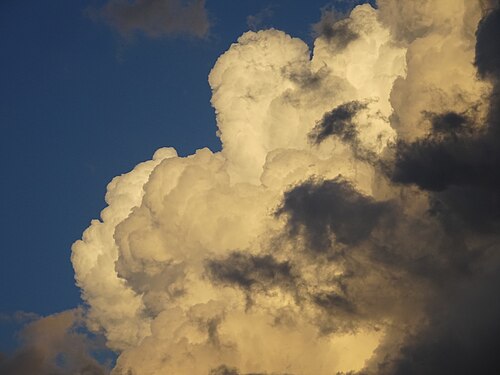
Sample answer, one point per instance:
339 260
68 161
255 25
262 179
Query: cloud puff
156 18
317 209
349 224
335 29
53 346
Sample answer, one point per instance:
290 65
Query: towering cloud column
330 234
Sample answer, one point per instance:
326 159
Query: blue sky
382 240
80 104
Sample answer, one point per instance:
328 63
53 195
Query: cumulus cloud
316 209
349 224
156 18
53 346
335 29
338 122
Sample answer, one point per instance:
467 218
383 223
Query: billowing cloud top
349 223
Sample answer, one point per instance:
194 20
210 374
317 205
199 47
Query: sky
331 204
80 104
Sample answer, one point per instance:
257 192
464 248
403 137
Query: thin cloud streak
156 18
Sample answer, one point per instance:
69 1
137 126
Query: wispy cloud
156 18
258 21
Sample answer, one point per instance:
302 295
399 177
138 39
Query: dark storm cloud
457 165
488 58
52 346
225 370
333 302
318 209
477 208
307 79
248 271
487 46
458 161
339 123
259 274
449 156
459 337
337 32
156 18
450 123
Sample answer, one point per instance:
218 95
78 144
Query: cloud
458 337
318 210
338 122
257 21
156 18
53 346
248 271
224 370
334 29
458 157
451 155
487 57
19 317
349 224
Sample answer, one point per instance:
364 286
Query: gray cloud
458 159
337 31
19 317
156 18
339 122
320 209
459 335
225 370
53 346
487 52
456 166
250 272
448 157
258 21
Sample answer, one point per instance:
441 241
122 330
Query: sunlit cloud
349 224
53 345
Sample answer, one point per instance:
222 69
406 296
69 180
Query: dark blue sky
79 105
